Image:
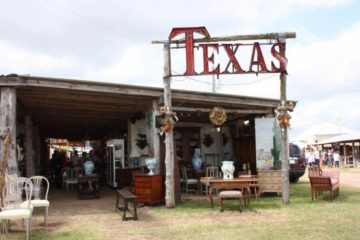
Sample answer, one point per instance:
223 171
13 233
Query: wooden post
154 134
29 147
284 140
353 151
8 121
345 162
169 141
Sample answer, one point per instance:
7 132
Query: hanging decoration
217 116
168 119
141 142
283 116
207 140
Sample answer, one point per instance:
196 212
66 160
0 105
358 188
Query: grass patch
70 234
266 218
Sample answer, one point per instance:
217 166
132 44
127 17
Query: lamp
135 155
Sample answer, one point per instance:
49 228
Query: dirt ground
67 212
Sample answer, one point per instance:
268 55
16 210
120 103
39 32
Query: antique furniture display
186 141
270 181
230 195
89 187
126 197
242 184
187 182
149 189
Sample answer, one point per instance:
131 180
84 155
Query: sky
111 41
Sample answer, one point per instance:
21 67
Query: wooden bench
321 184
127 197
229 195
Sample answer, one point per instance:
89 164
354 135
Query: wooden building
37 108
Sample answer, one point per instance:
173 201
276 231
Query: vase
196 160
228 169
151 165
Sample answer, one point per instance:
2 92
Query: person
75 159
311 157
63 160
336 157
331 157
96 161
55 168
317 157
322 158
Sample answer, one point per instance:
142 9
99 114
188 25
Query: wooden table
89 187
236 183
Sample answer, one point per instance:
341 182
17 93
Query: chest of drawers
270 181
149 189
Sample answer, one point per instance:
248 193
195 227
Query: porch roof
70 108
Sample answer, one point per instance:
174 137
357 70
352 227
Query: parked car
296 162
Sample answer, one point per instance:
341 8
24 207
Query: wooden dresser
270 181
149 189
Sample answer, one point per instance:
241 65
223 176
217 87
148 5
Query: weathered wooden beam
264 36
207 110
8 121
224 99
29 157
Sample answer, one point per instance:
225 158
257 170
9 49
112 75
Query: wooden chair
211 172
314 171
253 185
71 177
321 184
187 182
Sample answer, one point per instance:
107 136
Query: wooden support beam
207 110
169 141
265 36
29 149
8 121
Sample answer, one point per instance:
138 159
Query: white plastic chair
17 209
40 194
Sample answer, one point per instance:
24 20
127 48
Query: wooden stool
127 197
229 195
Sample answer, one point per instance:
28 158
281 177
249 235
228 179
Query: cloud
325 66
139 64
339 109
25 61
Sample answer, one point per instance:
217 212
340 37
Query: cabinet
149 189
186 141
115 159
270 181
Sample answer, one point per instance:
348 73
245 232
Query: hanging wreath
217 116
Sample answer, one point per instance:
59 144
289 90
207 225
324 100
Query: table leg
248 195
210 196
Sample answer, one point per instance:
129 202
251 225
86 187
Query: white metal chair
40 194
17 209
186 182
211 172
